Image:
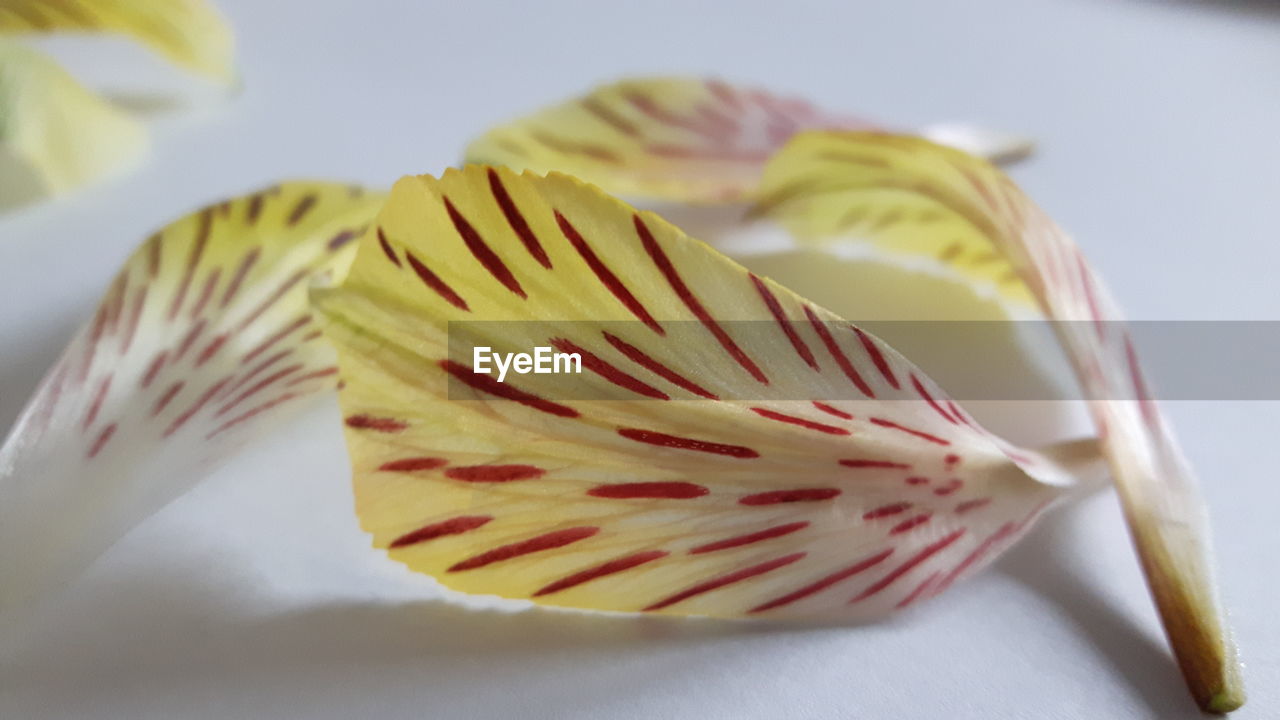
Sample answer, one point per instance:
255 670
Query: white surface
256 597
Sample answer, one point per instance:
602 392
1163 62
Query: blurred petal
203 341
54 134
740 451
190 33
913 197
687 139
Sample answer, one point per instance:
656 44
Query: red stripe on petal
605 275
682 443
755 537
489 385
837 354
799 421
723 580
452 526
494 473
599 571
906 567
547 541
776 497
669 490
826 582
482 252
691 301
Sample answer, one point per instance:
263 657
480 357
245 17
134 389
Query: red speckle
920 389
826 582
877 357
482 252
740 540
789 496
907 566
547 541
922 435
859 463
607 371
969 505
837 354
909 523
101 440
494 473
691 301
775 308
517 222
682 443
452 526
800 422
413 463
387 249
917 480
832 411
886 511
490 385
377 424
275 338
609 568
433 281
729 579
669 490
640 358
951 486
605 275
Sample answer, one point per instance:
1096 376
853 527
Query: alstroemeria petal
190 33
708 469
910 196
203 340
54 134
679 138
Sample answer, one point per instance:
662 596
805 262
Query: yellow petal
912 197
202 342
729 448
190 33
684 139
54 134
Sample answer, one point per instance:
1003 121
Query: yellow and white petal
189 33
55 135
909 196
729 448
677 138
683 138
202 342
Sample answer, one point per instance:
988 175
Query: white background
256 596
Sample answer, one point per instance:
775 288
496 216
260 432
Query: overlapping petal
913 197
203 341
729 449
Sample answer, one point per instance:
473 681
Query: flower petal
913 197
54 134
729 449
679 138
202 342
190 33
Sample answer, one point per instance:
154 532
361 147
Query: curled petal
203 341
727 449
915 198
